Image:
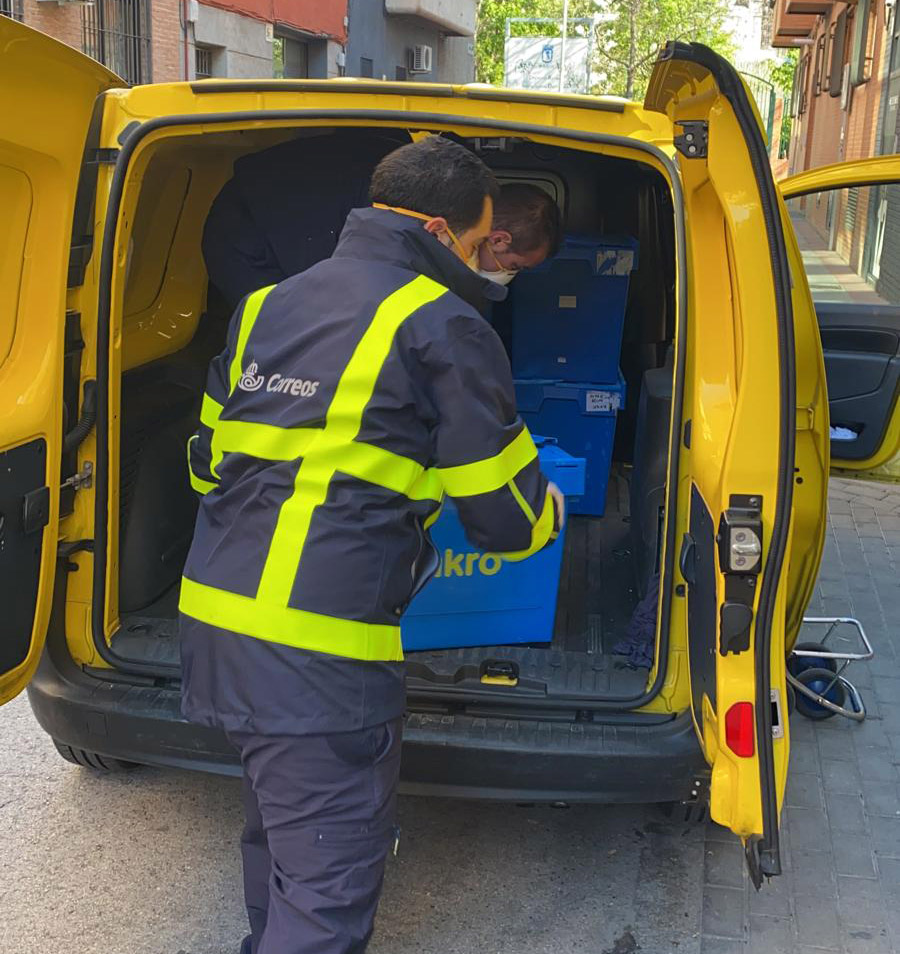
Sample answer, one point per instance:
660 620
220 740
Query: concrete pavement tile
720 945
805 757
837 743
845 813
817 924
852 855
860 901
881 798
876 764
770 935
724 863
723 912
844 520
804 790
887 689
807 827
812 874
886 835
773 898
872 733
860 939
841 777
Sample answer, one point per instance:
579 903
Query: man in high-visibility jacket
348 401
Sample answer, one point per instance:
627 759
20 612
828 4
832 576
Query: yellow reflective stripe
264 440
200 485
492 473
432 520
325 454
522 502
210 411
541 533
289 627
248 319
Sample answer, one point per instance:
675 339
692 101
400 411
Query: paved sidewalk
841 825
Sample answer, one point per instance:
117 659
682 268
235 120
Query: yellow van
720 473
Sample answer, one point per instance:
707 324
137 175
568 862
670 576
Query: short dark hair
435 177
530 216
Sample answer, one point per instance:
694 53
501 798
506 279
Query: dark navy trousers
320 820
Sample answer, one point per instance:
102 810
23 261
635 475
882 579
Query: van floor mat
542 672
597 591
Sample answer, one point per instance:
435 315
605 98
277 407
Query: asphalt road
147 863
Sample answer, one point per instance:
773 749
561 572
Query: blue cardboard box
582 418
478 599
568 314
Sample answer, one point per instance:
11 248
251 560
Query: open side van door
737 446
844 217
47 95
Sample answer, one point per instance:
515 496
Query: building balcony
454 17
795 21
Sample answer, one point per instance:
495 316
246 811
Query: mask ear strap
425 218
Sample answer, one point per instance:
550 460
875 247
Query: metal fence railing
117 33
764 93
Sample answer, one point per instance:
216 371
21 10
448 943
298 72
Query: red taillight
739 729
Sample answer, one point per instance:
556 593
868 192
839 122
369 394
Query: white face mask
503 277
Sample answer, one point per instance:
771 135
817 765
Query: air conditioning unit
420 57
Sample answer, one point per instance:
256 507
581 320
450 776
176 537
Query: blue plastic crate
477 599
568 314
582 419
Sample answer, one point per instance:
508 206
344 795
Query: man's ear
436 226
500 240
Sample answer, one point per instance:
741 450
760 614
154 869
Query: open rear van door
844 217
47 95
737 447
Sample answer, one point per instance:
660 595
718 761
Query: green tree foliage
625 47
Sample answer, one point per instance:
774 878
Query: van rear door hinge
694 140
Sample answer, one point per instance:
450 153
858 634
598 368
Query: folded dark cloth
640 637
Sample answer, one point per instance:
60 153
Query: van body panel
47 94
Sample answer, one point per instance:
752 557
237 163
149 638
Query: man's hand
560 502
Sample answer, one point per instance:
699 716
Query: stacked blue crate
567 321
479 599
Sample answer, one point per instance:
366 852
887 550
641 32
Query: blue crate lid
592 397
609 255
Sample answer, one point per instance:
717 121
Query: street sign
533 62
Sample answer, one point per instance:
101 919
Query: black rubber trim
731 87
404 118
402 89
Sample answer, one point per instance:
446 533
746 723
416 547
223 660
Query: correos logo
252 380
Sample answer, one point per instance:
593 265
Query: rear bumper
464 756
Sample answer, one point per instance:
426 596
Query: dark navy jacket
348 400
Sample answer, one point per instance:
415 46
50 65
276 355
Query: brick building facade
844 107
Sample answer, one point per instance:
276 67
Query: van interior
172 326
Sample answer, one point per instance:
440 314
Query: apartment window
203 62
819 78
401 73
117 33
366 67
862 54
839 54
12 8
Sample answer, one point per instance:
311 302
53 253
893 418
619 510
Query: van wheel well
92 760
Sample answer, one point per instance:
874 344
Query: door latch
82 480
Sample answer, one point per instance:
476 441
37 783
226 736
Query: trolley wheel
798 664
818 681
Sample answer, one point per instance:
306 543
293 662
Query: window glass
850 242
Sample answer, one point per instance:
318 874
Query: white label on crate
568 301
562 359
602 401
